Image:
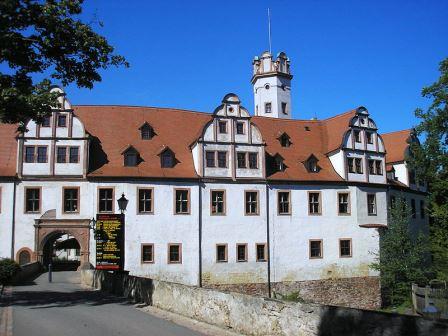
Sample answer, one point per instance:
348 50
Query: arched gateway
48 228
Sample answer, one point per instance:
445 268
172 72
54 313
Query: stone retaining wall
27 271
359 292
259 316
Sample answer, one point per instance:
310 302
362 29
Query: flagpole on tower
269 31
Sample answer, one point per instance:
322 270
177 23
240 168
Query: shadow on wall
352 322
96 152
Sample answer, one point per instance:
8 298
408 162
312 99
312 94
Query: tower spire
269 31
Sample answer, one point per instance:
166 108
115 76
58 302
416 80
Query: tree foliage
402 257
46 37
430 161
8 269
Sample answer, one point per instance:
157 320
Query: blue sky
189 54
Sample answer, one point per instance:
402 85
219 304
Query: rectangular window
29 154
62 120
222 127
105 199
371 204
413 209
253 160
314 203
71 199
357 135
372 167
351 165
221 253
239 127
316 249
145 200
241 252
222 159
241 159
174 253
147 253
42 154
261 252
73 155
130 158
210 159
251 200
379 167
182 201
267 107
218 202
167 159
345 248
344 203
61 155
422 209
284 206
284 111
358 165
32 199
46 121
369 136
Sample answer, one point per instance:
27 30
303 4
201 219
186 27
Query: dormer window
357 135
167 159
311 164
147 132
369 136
279 163
285 140
222 125
130 157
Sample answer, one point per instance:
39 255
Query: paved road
64 308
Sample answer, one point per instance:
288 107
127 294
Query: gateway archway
49 229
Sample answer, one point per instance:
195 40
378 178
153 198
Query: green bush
8 269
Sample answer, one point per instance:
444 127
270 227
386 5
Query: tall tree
430 162
402 257
46 37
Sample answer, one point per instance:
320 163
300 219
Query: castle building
222 200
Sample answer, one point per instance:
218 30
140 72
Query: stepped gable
397 144
115 127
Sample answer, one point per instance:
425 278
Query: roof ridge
144 107
394 132
343 114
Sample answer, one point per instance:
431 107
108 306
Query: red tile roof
115 128
8 150
396 144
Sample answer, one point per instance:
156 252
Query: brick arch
26 249
48 230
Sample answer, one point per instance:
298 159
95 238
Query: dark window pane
174 253
147 253
239 128
145 200
29 154
222 127
241 158
345 248
210 159
241 253
42 154
261 252
182 201
315 249
70 200
222 159
217 202
251 202
61 155
62 120
253 160
74 155
46 122
167 159
221 253
32 200
105 200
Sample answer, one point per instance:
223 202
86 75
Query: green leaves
430 160
403 257
46 37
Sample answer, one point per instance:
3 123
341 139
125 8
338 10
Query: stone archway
48 227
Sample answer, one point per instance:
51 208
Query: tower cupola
272 86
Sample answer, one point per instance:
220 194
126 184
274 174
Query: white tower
272 86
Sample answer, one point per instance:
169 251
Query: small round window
267 86
230 109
